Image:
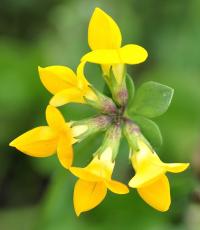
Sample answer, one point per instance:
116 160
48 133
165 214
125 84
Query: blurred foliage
37 193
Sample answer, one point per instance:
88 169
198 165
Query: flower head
65 85
120 110
44 141
150 180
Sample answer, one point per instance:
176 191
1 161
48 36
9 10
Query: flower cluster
125 113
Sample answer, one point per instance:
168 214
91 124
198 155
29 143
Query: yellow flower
150 180
65 85
104 38
44 141
94 180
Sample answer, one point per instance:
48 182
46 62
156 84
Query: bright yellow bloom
104 38
44 141
150 180
65 85
94 180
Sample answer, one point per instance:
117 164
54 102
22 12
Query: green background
37 193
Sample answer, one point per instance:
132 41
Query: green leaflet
151 100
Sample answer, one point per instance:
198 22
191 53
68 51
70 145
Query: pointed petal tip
40 69
186 165
125 190
133 184
165 209
98 10
12 143
78 212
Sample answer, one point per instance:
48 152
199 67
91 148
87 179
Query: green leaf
151 100
131 87
150 130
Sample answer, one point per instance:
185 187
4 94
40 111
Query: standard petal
117 187
67 96
65 152
176 167
132 54
157 194
103 32
54 118
38 142
87 195
57 78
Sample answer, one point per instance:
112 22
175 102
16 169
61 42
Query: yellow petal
98 169
102 167
157 194
82 82
90 95
117 187
103 56
118 71
67 96
147 165
79 130
106 69
103 32
129 54
132 54
87 195
57 78
176 167
149 168
84 174
54 118
38 142
65 152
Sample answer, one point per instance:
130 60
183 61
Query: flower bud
115 79
111 142
84 128
102 102
131 132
